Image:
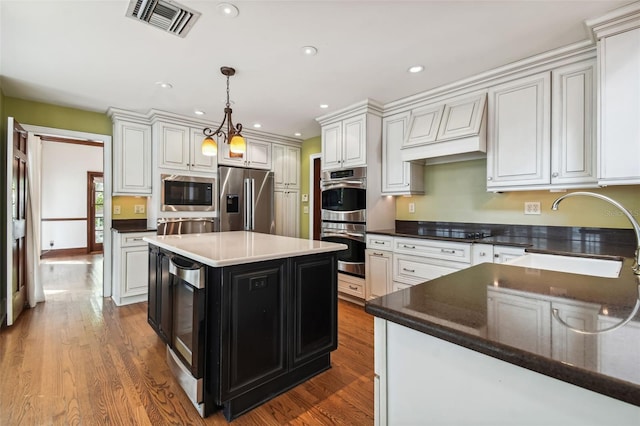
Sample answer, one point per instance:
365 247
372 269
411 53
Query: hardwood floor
78 359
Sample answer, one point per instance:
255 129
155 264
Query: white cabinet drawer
379 242
131 239
434 249
414 270
351 285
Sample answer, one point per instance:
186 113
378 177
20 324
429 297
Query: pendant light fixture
232 136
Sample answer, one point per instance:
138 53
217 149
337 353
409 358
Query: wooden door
95 211
17 289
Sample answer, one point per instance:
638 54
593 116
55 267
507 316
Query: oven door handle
353 235
343 184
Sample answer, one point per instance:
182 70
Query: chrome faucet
634 223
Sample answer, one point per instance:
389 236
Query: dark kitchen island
245 316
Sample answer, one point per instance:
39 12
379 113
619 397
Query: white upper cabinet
423 125
542 130
518 149
619 136
258 155
131 158
398 177
451 130
285 166
179 148
573 129
344 143
462 118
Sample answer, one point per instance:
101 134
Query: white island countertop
219 249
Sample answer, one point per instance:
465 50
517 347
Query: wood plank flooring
78 359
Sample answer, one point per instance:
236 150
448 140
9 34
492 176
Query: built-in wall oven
344 215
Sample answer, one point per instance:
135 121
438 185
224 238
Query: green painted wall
309 147
456 192
47 115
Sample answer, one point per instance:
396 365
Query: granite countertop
455 308
543 239
219 249
131 225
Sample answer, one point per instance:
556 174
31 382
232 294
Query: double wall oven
344 215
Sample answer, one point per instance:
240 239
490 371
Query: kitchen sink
606 268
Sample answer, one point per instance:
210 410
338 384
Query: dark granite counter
131 225
455 308
550 239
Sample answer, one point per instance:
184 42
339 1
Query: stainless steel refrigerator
246 200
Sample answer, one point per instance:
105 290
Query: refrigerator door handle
252 200
248 203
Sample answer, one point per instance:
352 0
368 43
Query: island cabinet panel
253 325
314 309
160 294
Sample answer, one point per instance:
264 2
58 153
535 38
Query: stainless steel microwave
181 193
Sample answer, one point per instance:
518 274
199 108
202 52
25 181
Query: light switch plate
138 208
412 207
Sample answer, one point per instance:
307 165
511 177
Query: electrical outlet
412 207
305 209
116 209
138 208
305 198
532 207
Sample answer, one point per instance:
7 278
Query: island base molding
421 379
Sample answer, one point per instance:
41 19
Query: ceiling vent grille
164 14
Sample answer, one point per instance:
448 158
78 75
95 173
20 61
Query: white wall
64 192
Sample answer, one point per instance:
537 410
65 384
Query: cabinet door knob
555 174
489 178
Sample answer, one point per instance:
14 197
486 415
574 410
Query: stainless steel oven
344 195
351 260
185 355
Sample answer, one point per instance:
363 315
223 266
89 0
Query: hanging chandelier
232 136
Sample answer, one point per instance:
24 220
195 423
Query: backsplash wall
456 192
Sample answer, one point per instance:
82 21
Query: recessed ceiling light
416 68
257 125
164 85
324 106
309 51
198 112
228 10
297 134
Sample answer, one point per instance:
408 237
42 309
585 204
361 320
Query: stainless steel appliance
185 355
246 200
177 226
351 260
187 193
344 195
344 213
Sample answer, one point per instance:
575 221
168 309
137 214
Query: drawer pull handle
448 251
352 287
409 247
409 270
379 242
136 239
378 254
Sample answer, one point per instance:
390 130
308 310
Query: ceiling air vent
164 14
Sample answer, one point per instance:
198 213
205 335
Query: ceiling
87 54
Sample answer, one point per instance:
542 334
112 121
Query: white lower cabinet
378 267
488 253
421 379
130 272
351 286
